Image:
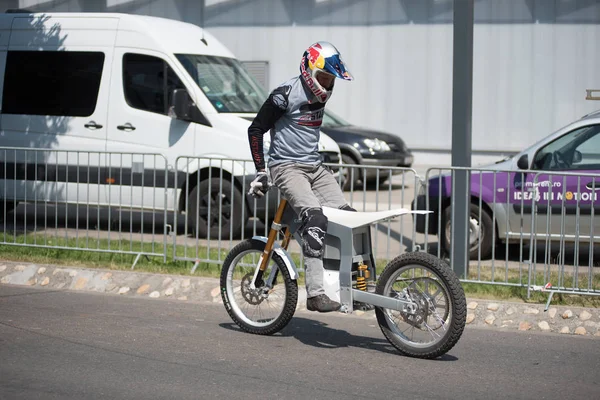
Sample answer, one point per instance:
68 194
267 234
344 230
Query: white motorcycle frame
347 243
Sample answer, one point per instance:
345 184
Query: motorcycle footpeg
344 309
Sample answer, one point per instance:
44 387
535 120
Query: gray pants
307 187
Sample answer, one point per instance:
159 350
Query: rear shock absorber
361 278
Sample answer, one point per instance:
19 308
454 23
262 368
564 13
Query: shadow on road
318 334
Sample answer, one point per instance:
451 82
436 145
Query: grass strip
93 253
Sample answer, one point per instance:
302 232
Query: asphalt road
68 345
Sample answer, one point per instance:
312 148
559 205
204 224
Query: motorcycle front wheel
261 309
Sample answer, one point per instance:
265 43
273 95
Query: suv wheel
480 232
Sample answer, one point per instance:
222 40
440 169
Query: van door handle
593 185
127 127
93 125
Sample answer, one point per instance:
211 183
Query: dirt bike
418 300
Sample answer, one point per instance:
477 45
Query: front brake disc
252 296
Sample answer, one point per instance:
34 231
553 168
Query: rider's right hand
260 185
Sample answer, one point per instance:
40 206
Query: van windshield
225 82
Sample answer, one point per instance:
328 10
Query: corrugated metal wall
533 59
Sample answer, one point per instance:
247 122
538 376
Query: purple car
549 192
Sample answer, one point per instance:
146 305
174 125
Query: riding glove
260 185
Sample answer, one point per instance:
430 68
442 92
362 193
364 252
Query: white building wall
533 59
528 80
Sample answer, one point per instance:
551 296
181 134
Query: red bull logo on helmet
315 58
311 83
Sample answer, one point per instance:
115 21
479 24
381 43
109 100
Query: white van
121 84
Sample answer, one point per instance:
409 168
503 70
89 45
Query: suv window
60 83
145 85
576 150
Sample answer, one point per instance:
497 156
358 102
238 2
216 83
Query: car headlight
377 145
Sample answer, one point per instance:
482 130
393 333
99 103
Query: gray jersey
294 116
295 136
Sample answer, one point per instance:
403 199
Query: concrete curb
485 313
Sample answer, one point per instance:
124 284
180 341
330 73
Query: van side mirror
523 162
182 107
577 157
182 104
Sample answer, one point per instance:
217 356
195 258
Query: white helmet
322 57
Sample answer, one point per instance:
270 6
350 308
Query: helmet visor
336 67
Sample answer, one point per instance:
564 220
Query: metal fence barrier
84 200
564 208
380 189
215 191
215 207
527 228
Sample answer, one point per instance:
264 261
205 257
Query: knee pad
313 233
347 207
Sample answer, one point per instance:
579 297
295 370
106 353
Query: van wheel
480 232
225 201
6 207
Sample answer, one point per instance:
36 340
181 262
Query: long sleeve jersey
294 116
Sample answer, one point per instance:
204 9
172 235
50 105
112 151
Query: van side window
60 83
145 85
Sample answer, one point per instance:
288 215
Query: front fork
257 281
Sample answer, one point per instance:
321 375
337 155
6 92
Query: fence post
462 97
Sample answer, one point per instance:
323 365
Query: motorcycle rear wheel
435 322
